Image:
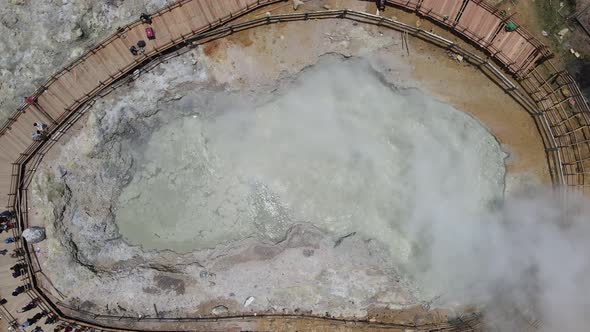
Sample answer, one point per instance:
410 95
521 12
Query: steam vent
271 165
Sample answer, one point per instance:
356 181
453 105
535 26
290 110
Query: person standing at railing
18 252
6 226
17 274
141 46
38 136
40 126
7 214
26 324
5 223
19 290
29 306
50 319
10 239
145 18
38 316
18 266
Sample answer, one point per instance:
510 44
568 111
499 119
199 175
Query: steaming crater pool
339 149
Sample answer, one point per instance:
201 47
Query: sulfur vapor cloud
522 259
340 149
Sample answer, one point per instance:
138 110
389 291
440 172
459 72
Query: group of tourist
149 31
37 317
34 320
20 289
40 134
8 222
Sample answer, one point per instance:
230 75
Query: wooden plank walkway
407 4
478 25
483 24
558 98
443 11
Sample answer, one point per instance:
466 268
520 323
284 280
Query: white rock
562 32
34 234
220 310
77 33
297 4
76 52
249 301
194 57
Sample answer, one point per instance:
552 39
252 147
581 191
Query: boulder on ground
34 234
220 310
249 301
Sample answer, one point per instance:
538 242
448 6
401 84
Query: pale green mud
340 149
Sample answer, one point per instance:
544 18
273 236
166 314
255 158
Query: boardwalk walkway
551 96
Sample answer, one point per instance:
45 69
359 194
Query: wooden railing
561 102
